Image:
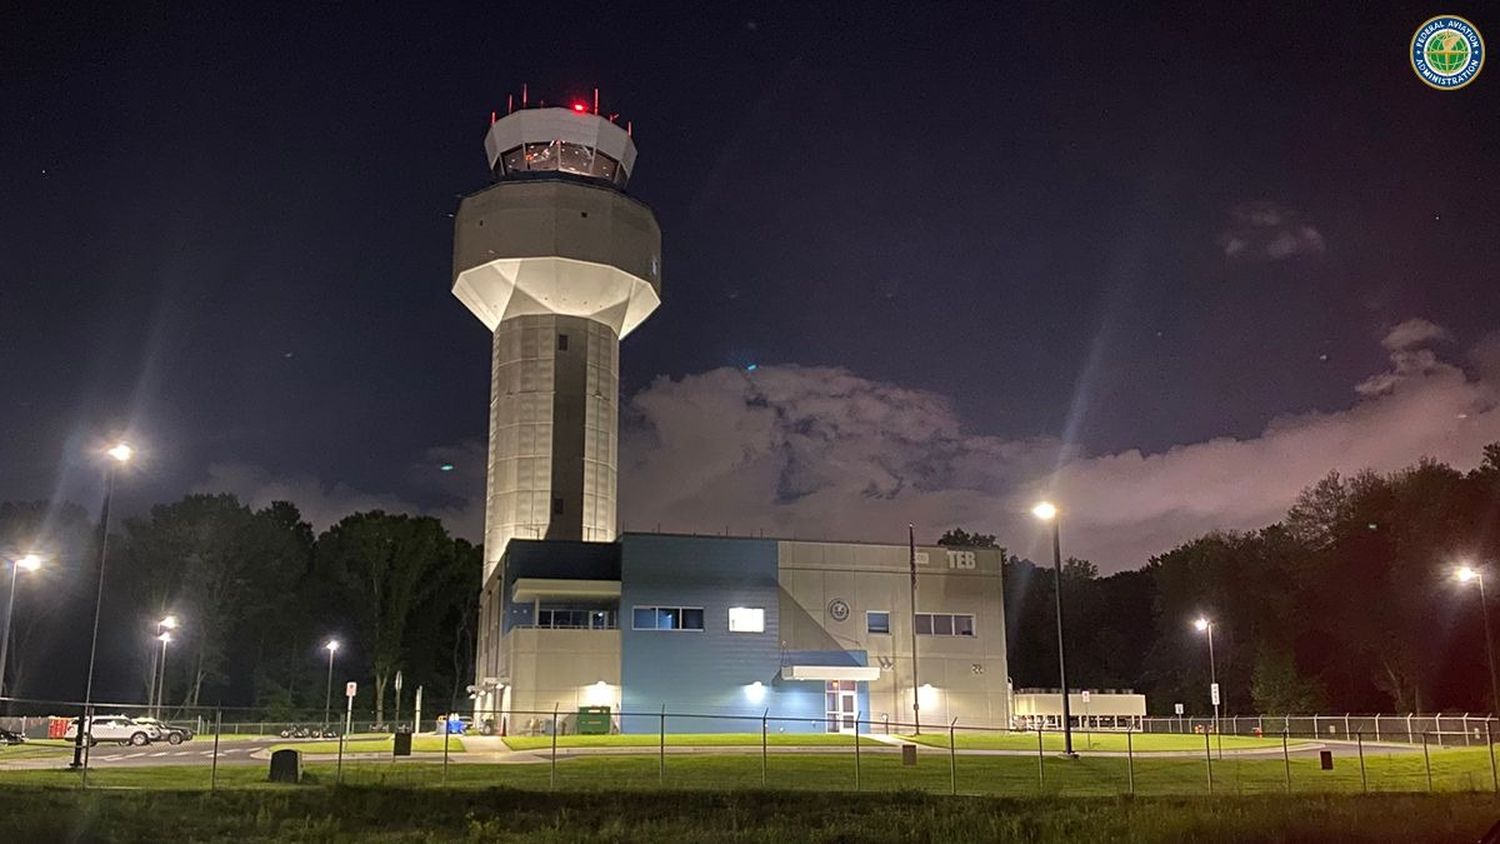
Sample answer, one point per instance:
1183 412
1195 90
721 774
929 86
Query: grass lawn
688 740
375 743
394 815
1116 742
37 749
1454 770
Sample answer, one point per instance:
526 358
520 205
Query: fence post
552 775
1234 730
213 773
1316 733
1364 782
1286 757
1489 742
763 755
1346 726
1130 760
1377 727
952 760
856 751
1410 739
1427 760
1260 724
661 763
1041 775
1208 753
1466 729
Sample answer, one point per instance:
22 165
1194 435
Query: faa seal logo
1447 52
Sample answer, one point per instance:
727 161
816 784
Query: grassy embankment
391 815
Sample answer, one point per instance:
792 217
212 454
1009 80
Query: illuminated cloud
1265 231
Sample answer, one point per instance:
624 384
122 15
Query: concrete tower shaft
560 264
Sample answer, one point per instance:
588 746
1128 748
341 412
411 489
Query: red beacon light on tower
580 108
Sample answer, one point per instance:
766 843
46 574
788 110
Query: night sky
1075 230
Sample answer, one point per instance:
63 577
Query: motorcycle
296 731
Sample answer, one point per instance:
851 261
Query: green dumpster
593 720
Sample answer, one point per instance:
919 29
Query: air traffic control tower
560 265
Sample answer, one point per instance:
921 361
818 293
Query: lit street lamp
1048 513
1464 574
159 667
1204 625
332 647
119 454
30 562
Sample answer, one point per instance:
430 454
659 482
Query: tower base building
720 631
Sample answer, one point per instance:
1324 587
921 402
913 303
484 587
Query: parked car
8 737
173 733
116 728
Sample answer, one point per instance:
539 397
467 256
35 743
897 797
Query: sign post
1088 720
397 725
349 690
1177 707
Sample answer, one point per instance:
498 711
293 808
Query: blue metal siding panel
705 672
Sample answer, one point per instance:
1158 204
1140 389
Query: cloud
1265 231
819 452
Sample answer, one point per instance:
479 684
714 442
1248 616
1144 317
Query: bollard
1286 757
1364 782
952 760
213 773
763 755
1427 761
1130 760
856 751
661 763
552 776
1208 753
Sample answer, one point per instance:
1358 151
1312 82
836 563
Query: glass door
842 705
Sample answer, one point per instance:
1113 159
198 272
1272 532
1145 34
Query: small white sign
1085 696
1213 693
1178 707
350 688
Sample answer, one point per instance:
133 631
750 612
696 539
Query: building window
747 620
877 621
667 618
562 342
945 624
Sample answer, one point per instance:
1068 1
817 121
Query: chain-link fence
596 747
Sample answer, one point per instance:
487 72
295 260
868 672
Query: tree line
257 593
1349 603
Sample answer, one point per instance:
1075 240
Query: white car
116 728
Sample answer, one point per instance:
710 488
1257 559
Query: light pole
163 635
1047 512
1464 574
119 454
332 648
30 562
161 690
1204 625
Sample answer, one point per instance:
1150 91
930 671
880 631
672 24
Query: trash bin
908 754
286 766
593 721
402 746
1325 759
